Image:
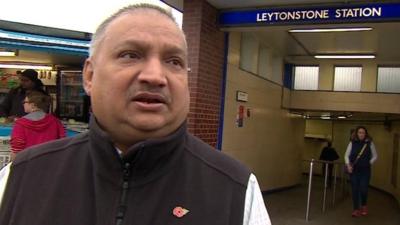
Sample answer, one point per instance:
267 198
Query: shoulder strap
360 153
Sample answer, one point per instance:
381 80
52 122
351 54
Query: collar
149 159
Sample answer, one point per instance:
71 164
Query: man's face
137 77
26 83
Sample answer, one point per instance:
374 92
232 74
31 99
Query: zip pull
127 171
121 210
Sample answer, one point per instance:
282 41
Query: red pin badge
180 212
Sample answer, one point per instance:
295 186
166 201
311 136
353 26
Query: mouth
149 98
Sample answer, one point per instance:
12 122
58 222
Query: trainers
356 213
364 210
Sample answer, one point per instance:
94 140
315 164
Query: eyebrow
167 48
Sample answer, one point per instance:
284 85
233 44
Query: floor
288 208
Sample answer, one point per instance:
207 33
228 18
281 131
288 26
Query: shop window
306 77
347 78
249 53
389 79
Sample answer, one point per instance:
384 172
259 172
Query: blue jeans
359 185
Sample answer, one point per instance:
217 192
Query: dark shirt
12 104
328 154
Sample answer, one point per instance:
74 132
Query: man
137 164
328 154
12 105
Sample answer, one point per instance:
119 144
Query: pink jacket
26 133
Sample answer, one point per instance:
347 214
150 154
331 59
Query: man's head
28 79
136 75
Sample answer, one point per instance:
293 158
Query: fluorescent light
321 30
342 117
325 117
7 53
345 56
26 66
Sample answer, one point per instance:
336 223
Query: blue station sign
312 15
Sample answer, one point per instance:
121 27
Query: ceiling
381 41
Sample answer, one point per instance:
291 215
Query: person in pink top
37 126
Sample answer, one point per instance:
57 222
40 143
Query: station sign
311 15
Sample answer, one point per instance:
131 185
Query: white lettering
283 16
367 12
303 15
291 15
298 16
377 11
350 13
261 17
358 12
310 14
319 14
258 17
325 14
338 13
270 16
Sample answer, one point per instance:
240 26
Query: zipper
121 209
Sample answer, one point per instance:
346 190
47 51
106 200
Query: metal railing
335 165
4 159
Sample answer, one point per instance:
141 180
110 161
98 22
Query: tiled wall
270 141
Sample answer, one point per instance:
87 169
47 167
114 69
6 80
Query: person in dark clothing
328 154
137 164
12 106
359 156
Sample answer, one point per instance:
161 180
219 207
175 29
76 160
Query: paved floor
288 208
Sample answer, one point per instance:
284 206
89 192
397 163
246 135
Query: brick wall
206 59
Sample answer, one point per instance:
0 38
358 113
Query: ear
88 76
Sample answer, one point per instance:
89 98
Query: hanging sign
339 14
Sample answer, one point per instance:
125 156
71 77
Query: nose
153 73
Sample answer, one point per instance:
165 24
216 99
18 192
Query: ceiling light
7 53
342 117
322 30
325 117
345 56
26 66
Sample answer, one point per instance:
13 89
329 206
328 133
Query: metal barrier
310 181
4 151
4 158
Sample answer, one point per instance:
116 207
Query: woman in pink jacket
37 126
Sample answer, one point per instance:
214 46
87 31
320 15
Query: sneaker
364 210
356 213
